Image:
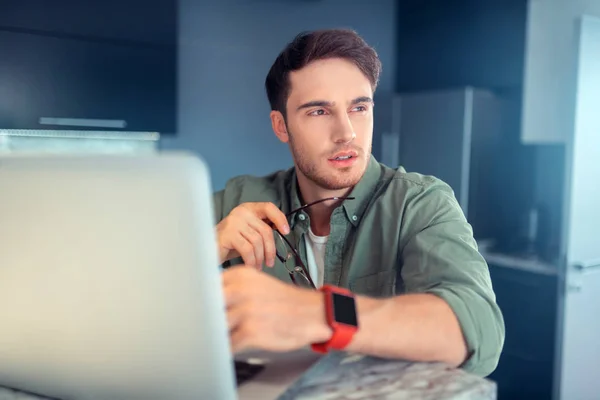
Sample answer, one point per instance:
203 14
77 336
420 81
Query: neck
320 214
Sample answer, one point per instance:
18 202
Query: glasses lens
303 279
283 252
286 255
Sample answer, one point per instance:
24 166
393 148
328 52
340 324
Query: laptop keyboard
245 371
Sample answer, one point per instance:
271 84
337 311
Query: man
400 244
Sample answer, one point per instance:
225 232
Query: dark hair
319 45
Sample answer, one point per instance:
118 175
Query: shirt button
354 218
302 217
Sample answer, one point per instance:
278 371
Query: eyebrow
325 103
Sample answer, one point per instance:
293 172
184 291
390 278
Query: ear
279 127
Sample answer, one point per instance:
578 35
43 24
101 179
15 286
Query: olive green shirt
404 233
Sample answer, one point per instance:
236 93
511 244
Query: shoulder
252 188
247 188
421 200
409 187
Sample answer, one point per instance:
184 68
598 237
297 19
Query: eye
320 111
360 109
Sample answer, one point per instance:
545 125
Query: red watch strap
337 289
342 333
339 340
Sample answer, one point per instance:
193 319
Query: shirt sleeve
218 200
440 256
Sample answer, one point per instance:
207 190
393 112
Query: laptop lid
109 279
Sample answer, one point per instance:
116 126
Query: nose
343 132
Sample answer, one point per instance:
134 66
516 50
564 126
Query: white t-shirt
315 255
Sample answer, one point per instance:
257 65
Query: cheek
318 126
311 132
363 127
304 140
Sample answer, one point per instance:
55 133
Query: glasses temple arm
316 202
298 259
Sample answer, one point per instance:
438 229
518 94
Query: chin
330 178
341 179
334 186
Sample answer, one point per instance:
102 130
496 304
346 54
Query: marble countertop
344 376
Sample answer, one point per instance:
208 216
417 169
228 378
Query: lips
344 155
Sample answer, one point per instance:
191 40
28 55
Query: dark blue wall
457 43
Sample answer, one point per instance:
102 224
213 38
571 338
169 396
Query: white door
577 371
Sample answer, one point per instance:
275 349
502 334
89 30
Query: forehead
330 79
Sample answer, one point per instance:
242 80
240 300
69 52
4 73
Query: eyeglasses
290 254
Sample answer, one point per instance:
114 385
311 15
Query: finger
236 342
235 316
270 212
240 338
230 292
234 283
268 240
256 240
237 276
245 248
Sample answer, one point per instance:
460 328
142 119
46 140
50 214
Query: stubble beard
341 179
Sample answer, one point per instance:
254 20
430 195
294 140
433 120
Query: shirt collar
362 192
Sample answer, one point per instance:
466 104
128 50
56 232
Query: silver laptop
109 279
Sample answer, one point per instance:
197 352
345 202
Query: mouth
343 156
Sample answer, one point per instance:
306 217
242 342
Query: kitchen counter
344 376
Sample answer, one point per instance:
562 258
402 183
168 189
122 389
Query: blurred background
498 98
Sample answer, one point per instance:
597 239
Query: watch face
344 309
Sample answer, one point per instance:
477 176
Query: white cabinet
550 65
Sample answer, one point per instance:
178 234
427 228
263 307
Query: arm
449 313
419 327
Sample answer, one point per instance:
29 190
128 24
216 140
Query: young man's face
329 118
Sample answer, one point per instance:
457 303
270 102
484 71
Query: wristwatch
340 312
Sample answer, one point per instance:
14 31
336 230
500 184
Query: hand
245 233
264 313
